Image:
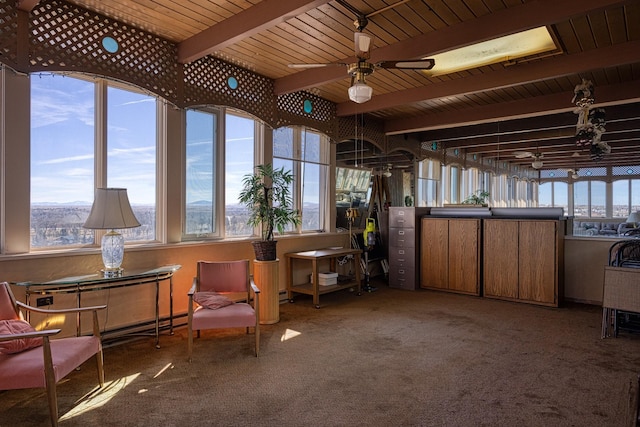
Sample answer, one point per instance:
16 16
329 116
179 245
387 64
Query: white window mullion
100 141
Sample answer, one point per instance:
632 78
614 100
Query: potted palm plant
267 195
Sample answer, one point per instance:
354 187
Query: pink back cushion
10 327
211 300
227 276
7 309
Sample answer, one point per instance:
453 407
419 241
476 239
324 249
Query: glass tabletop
99 278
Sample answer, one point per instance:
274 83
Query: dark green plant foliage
477 199
267 195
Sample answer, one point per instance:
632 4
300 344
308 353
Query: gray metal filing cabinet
404 250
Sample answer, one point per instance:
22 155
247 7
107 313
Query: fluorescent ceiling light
507 48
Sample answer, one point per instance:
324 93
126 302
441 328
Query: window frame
100 151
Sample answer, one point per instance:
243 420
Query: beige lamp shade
634 218
111 209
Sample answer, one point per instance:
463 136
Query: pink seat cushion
25 369
12 327
231 316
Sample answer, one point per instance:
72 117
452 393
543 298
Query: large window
67 154
131 155
589 199
62 160
240 142
554 194
306 154
428 178
200 180
626 197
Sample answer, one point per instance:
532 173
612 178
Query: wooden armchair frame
251 288
52 373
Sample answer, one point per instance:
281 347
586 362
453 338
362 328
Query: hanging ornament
597 119
591 121
584 95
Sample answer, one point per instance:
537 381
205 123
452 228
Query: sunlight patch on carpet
288 334
161 371
99 396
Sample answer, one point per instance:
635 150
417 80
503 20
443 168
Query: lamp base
112 273
112 253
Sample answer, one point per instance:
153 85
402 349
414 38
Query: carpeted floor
388 358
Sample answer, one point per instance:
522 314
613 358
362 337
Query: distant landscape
61 224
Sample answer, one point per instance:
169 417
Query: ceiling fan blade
331 64
522 154
418 64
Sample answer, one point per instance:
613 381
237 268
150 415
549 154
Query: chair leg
190 343
50 382
100 365
257 338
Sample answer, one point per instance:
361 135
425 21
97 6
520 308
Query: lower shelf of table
308 289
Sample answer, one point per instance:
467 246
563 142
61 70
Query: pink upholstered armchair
211 308
30 359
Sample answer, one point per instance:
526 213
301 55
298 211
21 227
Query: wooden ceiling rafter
246 23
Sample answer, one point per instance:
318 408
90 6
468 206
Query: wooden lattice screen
8 32
207 82
309 110
64 37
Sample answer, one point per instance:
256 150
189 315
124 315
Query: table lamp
111 210
634 218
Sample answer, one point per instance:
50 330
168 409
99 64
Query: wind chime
591 121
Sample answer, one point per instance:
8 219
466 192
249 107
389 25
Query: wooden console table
315 289
95 282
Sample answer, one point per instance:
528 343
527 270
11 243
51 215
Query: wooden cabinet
522 260
450 254
403 238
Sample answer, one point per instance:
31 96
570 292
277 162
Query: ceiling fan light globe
537 164
360 92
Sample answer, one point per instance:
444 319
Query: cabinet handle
401 233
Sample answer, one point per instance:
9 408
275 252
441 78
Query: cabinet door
537 261
434 253
464 256
500 260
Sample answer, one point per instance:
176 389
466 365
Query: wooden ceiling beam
27 5
546 104
247 23
507 21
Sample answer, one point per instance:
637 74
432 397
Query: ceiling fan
574 173
537 158
359 91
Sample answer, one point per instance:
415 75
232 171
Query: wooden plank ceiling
492 110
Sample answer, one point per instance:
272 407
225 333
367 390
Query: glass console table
79 285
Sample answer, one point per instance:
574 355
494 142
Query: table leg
157 313
171 305
78 320
358 282
315 284
289 279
